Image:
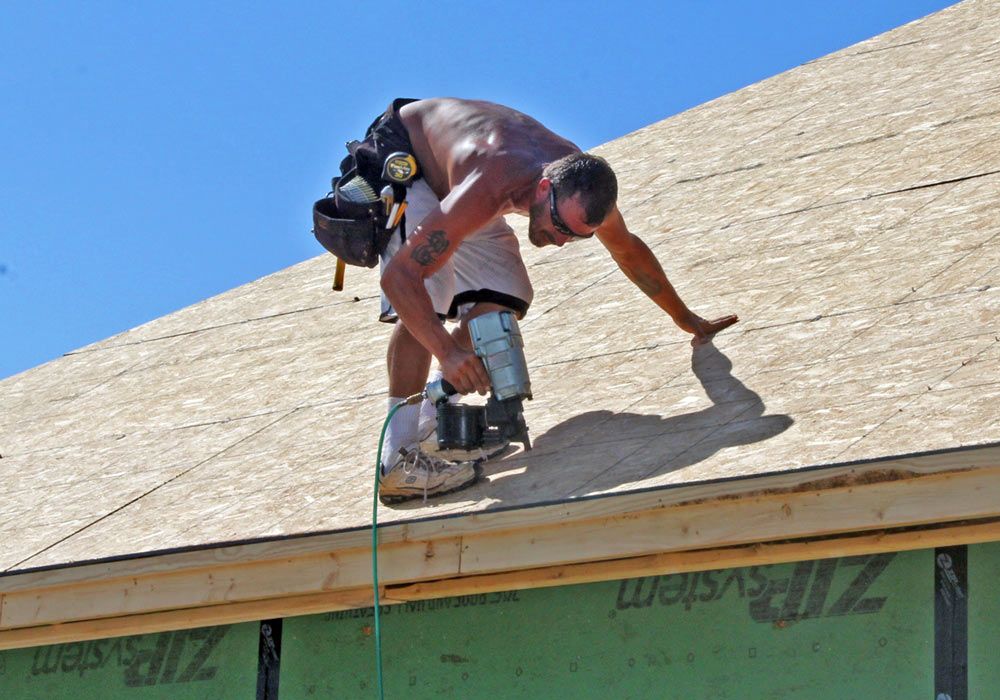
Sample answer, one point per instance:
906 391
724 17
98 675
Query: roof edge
505 517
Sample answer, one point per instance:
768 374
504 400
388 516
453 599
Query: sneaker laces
414 459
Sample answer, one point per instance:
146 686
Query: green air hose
378 472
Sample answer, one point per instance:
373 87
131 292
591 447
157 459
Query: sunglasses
558 223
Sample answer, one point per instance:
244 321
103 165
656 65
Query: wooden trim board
650 565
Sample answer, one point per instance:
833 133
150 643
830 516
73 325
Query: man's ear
542 188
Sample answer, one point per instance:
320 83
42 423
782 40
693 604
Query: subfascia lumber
874 496
187 618
226 584
757 554
766 517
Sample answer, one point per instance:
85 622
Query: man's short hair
591 177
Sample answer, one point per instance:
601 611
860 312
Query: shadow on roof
602 450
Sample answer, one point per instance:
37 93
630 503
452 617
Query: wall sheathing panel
210 662
984 620
884 625
848 627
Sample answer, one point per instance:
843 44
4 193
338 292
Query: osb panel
846 210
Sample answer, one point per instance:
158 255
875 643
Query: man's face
543 230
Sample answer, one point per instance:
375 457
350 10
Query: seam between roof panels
887 48
155 488
909 403
208 328
866 197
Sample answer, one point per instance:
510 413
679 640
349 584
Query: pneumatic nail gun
497 341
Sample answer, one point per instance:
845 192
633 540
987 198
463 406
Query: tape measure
400 167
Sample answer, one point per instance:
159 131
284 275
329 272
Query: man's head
573 197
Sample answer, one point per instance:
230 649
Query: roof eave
909 502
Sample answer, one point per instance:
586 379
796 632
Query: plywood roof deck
847 210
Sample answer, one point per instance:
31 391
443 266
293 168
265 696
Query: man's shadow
626 448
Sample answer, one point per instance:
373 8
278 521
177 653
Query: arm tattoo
426 253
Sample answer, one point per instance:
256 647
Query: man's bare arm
639 264
467 208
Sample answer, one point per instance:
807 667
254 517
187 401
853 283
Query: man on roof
477 162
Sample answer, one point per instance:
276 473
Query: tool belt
366 202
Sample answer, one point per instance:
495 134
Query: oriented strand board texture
847 210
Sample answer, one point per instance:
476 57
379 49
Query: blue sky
158 153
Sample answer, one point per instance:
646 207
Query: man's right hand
704 330
465 371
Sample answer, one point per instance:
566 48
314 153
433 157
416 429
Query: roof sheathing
845 209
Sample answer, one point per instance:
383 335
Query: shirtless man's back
452 138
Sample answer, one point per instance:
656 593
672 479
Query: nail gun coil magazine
460 426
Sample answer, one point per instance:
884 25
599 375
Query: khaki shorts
486 267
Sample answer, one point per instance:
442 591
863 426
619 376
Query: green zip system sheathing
886 625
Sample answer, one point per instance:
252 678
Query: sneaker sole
390 500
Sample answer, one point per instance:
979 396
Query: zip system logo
813 589
170 657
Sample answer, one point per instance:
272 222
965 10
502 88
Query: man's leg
408 363
407 360
407 472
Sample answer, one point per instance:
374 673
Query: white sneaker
415 473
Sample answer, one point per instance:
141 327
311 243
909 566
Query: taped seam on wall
951 623
269 659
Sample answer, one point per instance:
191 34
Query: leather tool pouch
353 231
350 221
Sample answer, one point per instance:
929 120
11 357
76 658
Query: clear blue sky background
158 153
